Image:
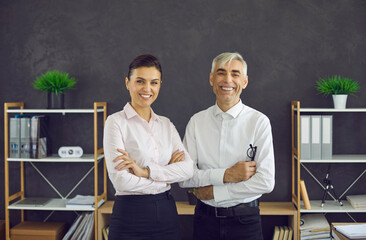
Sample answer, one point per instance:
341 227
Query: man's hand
241 171
130 164
204 193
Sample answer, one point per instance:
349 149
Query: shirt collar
233 111
130 113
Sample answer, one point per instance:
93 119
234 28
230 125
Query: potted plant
55 83
339 87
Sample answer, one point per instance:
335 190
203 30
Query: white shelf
331 110
330 206
53 204
63 111
56 158
340 158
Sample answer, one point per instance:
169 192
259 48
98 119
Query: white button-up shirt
216 140
151 144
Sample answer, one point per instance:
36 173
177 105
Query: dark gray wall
287 44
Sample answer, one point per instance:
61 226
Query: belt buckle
218 216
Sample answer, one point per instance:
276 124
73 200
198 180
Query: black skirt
144 217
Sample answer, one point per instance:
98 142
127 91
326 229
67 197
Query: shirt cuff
217 177
221 193
154 172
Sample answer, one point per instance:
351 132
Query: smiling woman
144 155
144 86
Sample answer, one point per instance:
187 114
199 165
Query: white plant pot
340 101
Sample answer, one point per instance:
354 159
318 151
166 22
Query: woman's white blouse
150 144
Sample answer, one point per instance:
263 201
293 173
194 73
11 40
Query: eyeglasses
251 152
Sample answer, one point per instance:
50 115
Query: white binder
316 150
305 137
327 135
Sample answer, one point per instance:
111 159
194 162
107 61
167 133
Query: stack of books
314 226
347 231
357 201
83 202
282 233
82 228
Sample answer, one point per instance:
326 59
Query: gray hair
223 58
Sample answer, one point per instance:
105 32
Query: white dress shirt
216 140
150 144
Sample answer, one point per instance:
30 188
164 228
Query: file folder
316 153
305 137
14 138
38 136
327 135
25 148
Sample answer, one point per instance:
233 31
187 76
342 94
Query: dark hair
145 60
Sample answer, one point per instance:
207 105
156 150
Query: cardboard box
38 231
2 230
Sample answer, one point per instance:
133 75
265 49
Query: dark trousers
244 227
144 217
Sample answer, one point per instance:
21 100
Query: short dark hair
145 60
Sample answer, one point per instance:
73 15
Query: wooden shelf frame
297 163
96 157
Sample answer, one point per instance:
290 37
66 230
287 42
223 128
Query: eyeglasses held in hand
251 152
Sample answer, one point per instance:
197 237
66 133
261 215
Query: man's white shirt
217 140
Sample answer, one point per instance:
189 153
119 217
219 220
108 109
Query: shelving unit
298 163
53 204
183 208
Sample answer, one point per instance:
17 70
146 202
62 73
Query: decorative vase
192 200
55 101
340 101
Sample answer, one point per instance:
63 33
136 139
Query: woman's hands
130 164
177 156
135 169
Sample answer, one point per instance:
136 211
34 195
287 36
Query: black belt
222 212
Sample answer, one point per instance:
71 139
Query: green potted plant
339 87
55 83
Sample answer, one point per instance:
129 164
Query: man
231 144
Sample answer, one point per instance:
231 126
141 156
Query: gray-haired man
231 145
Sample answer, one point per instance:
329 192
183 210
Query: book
285 234
290 233
357 201
282 232
304 195
276 233
105 234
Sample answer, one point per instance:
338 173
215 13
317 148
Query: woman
144 155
